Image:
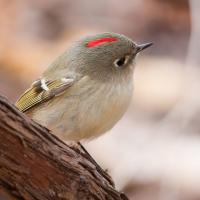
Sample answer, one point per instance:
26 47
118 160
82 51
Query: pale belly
85 115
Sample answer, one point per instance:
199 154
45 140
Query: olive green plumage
85 91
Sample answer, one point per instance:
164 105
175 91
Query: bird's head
103 55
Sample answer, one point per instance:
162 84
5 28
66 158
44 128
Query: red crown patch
100 41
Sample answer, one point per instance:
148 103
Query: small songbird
85 91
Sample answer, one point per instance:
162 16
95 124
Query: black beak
141 47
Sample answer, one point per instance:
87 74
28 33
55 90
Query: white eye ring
120 62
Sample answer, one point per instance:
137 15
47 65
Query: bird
87 89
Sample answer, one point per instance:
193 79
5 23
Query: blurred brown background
154 151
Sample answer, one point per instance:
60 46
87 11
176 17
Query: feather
41 91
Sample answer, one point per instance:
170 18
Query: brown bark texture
36 165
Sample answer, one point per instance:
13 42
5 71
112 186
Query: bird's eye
121 61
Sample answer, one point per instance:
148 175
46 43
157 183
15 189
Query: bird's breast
101 106
87 110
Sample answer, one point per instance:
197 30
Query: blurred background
154 151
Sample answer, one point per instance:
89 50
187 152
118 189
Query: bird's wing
41 91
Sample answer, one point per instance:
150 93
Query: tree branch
35 164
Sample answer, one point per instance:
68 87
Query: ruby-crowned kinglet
85 91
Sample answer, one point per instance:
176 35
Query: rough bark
34 164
